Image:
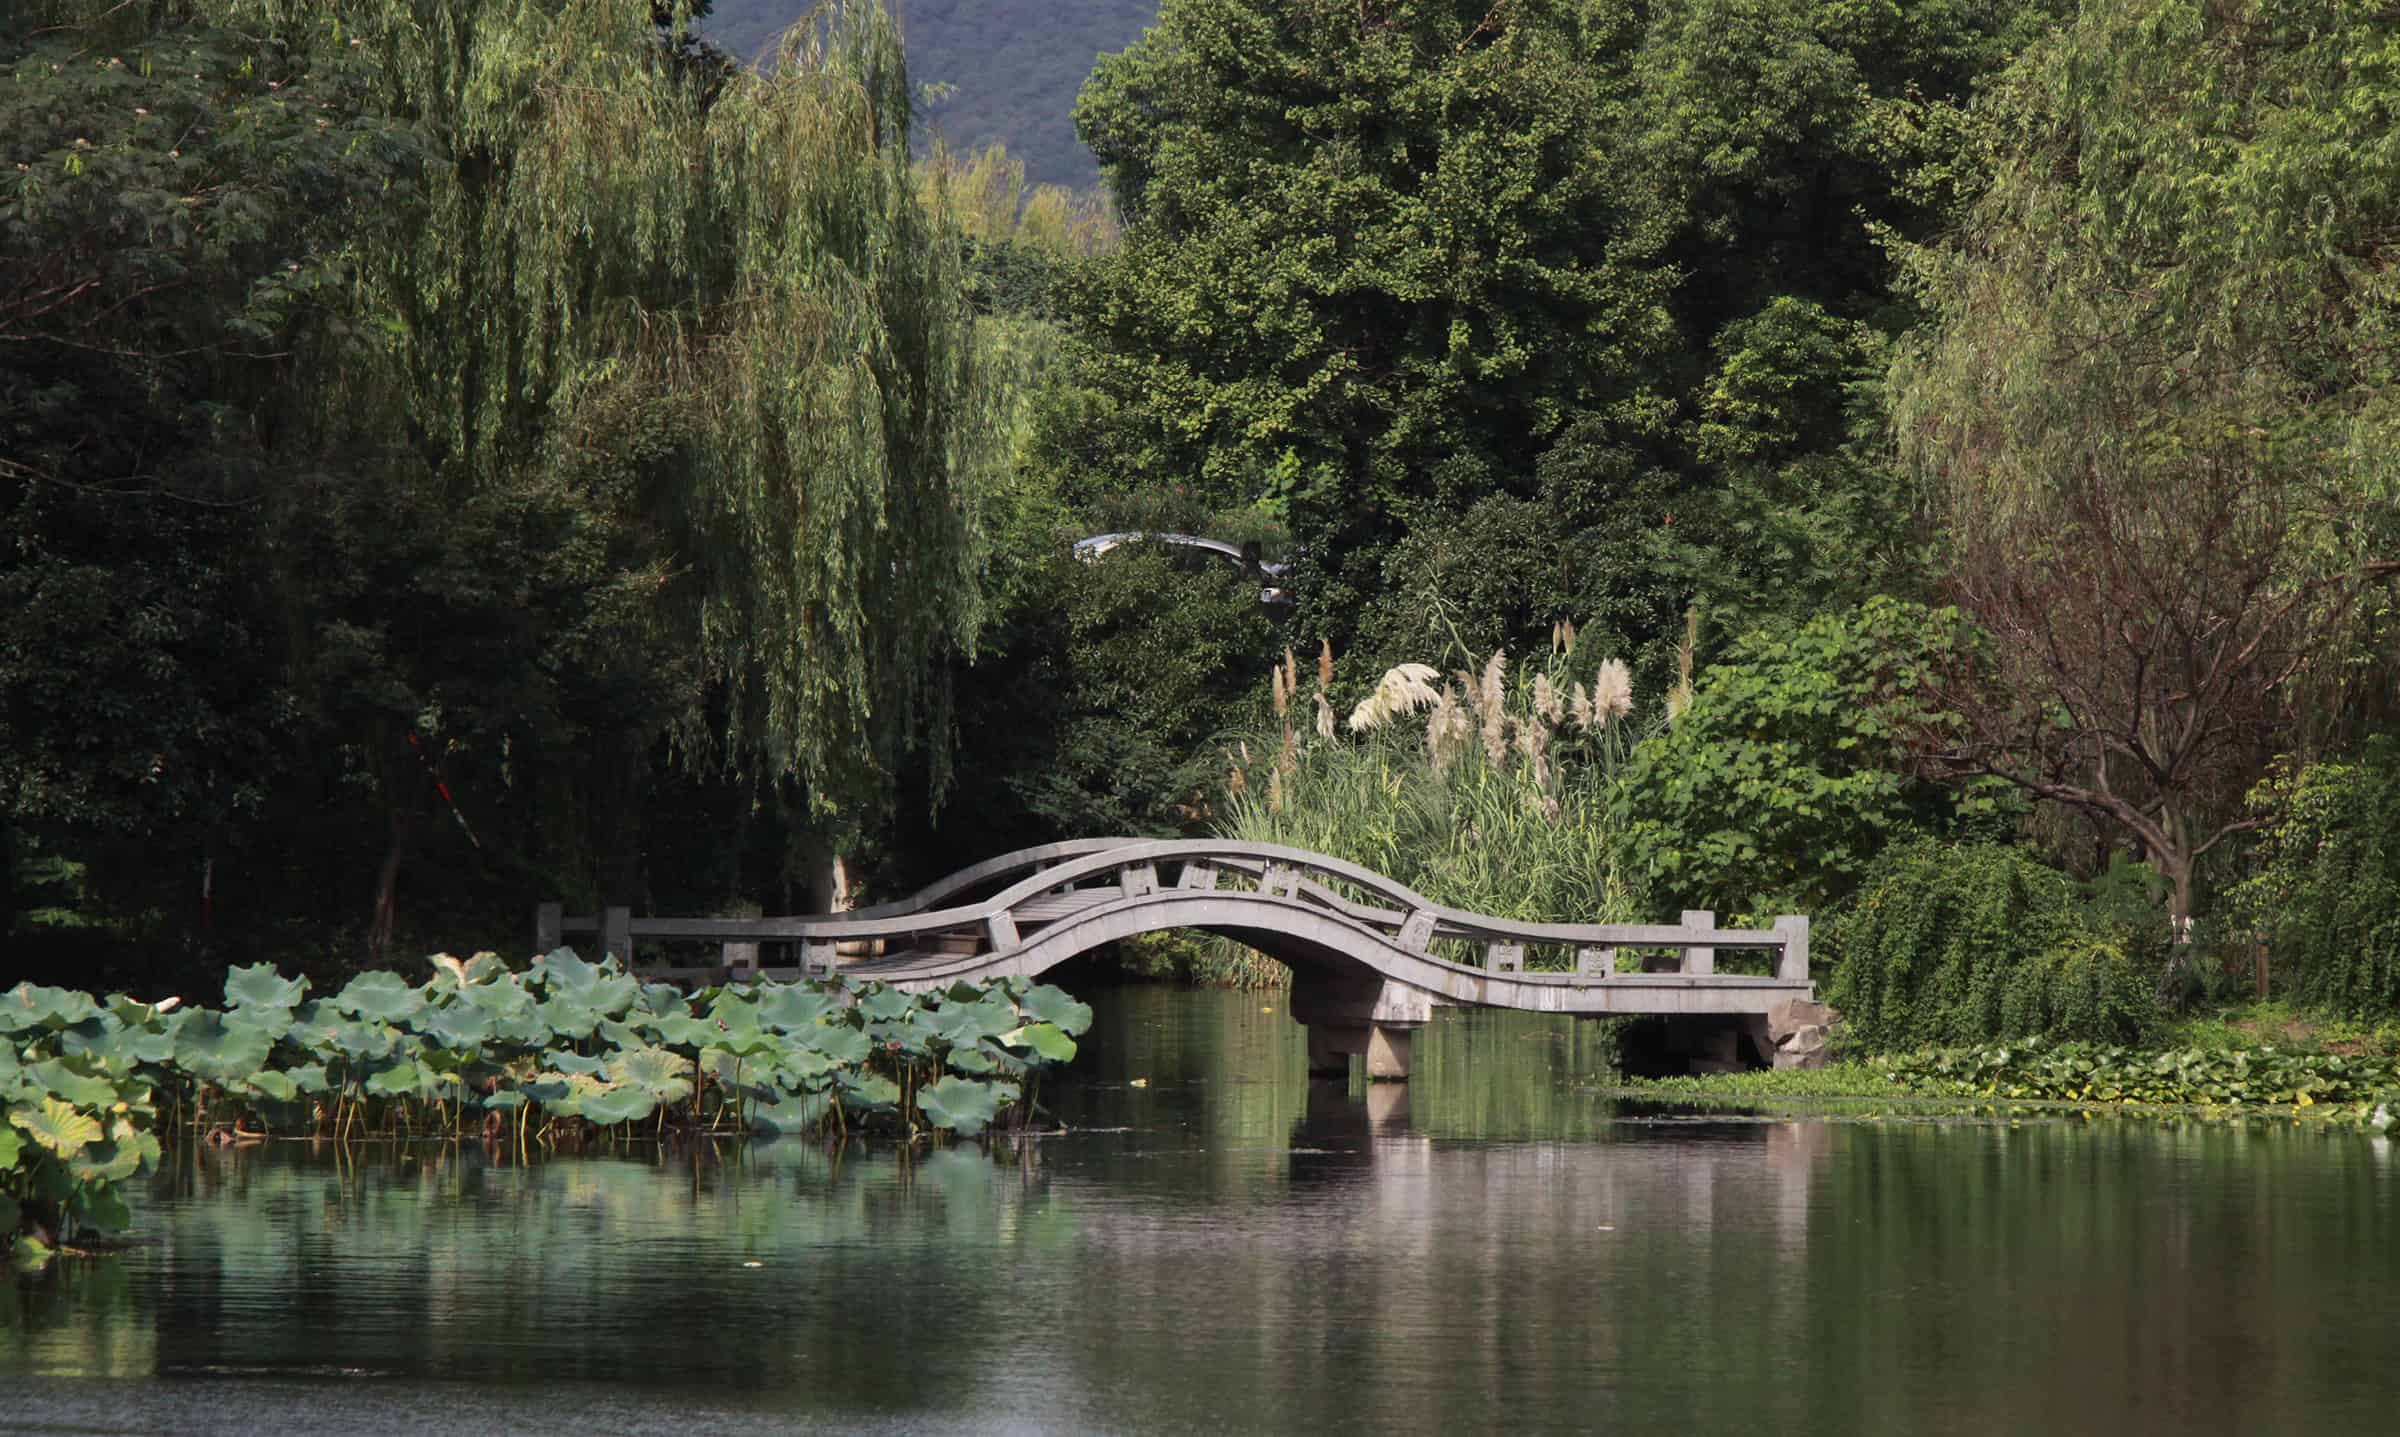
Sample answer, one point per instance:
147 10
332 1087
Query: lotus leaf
690 1032
403 1079
111 1162
872 1092
27 1007
308 1078
503 997
963 991
273 1084
314 1023
71 1079
380 997
60 1127
614 996
664 1000
843 1044
504 1099
116 1047
962 1105
526 1029
984 1058
734 1011
563 972
1044 1039
460 1025
219 1048
884 1005
370 1041
622 1035
10 1146
791 1115
1045 1004
790 1007
798 1067
568 1016
663 1075
273 1022
573 1063
105 1210
260 986
904 1038
619 1105
970 1023
485 967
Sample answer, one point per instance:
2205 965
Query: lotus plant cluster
562 1051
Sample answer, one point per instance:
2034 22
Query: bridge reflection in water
1371 959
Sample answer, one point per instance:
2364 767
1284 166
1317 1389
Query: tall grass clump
1483 790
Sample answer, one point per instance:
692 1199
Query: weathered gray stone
1803 1047
1792 1014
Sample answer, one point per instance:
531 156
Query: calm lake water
1229 1248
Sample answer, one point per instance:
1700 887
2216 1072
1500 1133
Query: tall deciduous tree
2155 411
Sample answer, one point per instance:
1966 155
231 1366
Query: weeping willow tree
610 219
713 309
2154 413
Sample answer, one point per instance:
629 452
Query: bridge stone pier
1371 960
1353 1013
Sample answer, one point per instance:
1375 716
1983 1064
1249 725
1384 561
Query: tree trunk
387 890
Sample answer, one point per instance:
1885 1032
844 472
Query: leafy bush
1779 783
2325 892
1960 943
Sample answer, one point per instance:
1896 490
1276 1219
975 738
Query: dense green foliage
479 451
2324 891
89 1086
1781 779
1948 943
2153 406
516 402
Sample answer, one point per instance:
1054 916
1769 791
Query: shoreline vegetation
562 1054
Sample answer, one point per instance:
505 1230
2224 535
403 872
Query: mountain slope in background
1014 66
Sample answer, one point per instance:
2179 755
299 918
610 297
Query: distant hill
1015 65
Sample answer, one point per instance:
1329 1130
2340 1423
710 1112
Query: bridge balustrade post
1281 880
1136 879
1793 965
1201 877
549 926
1699 960
1504 957
1416 931
1595 962
616 934
1001 929
816 959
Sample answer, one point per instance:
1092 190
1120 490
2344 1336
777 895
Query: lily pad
619 1105
663 1075
459 1025
380 997
1046 1004
61 1127
220 1048
791 1007
962 1105
260 986
885 1005
27 1007
792 1115
1044 1039
872 1092
72 1081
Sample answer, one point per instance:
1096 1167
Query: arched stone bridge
1370 958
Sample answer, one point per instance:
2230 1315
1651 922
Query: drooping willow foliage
614 224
